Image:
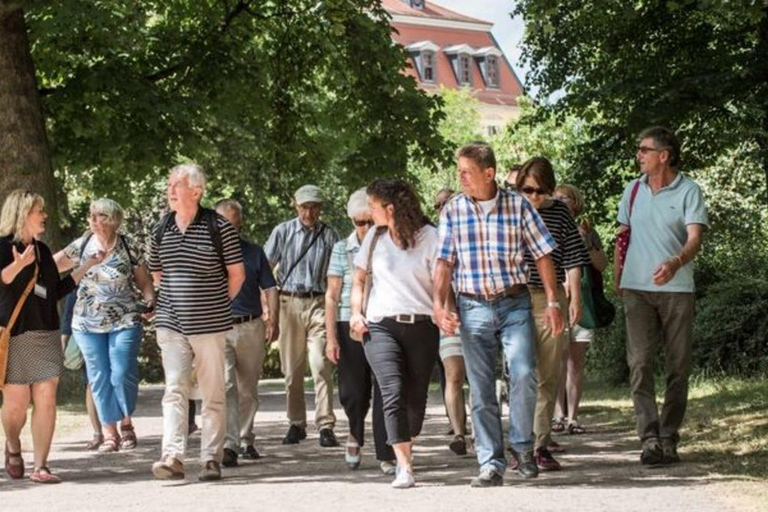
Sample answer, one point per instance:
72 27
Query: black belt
242 319
408 319
512 291
302 295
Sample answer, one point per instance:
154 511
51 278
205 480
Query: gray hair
230 205
358 203
194 174
111 209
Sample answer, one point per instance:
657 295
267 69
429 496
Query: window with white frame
464 71
428 66
492 71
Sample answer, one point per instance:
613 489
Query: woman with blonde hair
35 355
106 323
572 369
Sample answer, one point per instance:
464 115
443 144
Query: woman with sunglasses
400 338
537 182
355 375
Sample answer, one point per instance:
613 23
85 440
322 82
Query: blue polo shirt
258 276
659 231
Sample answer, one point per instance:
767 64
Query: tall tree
699 66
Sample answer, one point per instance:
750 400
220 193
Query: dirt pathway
601 472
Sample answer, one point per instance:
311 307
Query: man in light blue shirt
667 216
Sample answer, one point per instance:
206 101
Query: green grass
725 428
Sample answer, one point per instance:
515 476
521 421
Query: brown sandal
110 445
129 440
94 443
43 475
14 471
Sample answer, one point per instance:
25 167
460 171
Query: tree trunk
25 158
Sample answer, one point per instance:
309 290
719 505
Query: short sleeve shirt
194 289
659 224
342 253
258 277
107 294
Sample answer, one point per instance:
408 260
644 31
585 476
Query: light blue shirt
343 251
659 231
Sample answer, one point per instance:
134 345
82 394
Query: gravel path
601 472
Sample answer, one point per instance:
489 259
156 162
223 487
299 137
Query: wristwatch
555 305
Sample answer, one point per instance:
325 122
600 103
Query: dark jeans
355 383
402 357
654 317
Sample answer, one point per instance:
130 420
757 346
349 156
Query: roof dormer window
424 54
461 61
488 59
416 4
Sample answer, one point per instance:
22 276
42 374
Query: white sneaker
403 479
387 467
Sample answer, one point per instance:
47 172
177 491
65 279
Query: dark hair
409 217
540 169
666 140
480 153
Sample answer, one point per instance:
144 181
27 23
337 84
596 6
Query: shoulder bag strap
301 256
633 196
369 270
22 300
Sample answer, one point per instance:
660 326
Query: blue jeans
112 365
483 325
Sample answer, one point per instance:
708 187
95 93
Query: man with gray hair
300 249
246 342
196 260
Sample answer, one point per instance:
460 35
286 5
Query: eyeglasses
644 150
564 199
530 190
361 223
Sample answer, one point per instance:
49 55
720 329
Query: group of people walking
501 271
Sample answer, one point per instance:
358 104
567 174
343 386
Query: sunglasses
644 150
361 223
531 190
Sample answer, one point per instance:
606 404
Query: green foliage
267 95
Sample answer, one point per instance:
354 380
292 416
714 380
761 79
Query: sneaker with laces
487 478
652 453
669 451
546 461
403 478
524 463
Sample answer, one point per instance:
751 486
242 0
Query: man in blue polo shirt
667 216
245 347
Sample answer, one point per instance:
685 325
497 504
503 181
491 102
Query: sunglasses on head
361 223
531 190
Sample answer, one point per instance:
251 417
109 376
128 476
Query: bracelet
555 305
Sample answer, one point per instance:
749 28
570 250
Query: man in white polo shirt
667 216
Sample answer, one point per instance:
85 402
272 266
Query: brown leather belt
242 319
302 295
512 291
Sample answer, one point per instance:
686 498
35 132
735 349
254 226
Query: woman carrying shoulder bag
35 358
400 338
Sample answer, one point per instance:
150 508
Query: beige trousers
302 334
244 353
178 352
549 353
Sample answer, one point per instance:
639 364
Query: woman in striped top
537 182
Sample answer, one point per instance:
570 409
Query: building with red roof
452 50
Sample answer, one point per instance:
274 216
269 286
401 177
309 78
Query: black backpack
87 236
209 216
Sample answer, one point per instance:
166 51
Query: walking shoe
652 453
387 467
487 478
250 452
328 438
230 458
669 451
168 468
458 445
295 434
209 472
352 454
524 463
546 461
403 478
